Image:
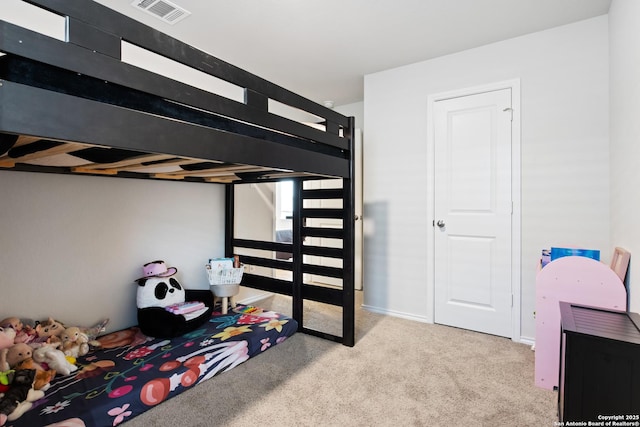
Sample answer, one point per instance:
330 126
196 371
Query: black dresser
599 365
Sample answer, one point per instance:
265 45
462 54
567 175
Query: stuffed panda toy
159 292
158 289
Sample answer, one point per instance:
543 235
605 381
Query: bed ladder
297 288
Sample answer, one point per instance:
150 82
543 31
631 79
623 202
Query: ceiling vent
162 9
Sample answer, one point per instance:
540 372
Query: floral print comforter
133 372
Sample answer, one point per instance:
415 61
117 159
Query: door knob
440 223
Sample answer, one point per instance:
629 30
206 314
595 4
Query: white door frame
516 281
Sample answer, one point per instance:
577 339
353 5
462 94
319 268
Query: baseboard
523 340
394 313
528 341
254 298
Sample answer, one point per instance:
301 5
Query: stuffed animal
24 332
7 336
10 357
92 332
19 356
43 378
14 322
74 342
49 331
158 289
5 379
20 397
51 358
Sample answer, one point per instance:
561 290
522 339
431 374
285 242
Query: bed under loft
74 107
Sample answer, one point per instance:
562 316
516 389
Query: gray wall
624 20
564 78
72 246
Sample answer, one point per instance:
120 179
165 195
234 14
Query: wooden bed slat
223 171
6 161
95 167
95 171
175 162
24 140
223 179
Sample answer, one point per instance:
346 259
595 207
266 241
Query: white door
473 209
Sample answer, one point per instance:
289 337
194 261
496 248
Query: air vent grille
162 9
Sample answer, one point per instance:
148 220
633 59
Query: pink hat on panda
157 269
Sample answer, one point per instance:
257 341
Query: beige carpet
400 373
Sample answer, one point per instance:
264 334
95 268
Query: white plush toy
158 288
54 358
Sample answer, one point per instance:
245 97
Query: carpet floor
400 372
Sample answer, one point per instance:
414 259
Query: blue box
560 252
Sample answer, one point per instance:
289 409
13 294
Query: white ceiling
322 48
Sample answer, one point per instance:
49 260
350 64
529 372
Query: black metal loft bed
73 106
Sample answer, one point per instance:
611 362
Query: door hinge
511 300
510 110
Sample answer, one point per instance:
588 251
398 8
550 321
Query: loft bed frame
74 107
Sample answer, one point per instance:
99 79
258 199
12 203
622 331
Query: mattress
132 372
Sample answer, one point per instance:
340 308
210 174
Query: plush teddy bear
19 356
20 397
158 289
50 358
